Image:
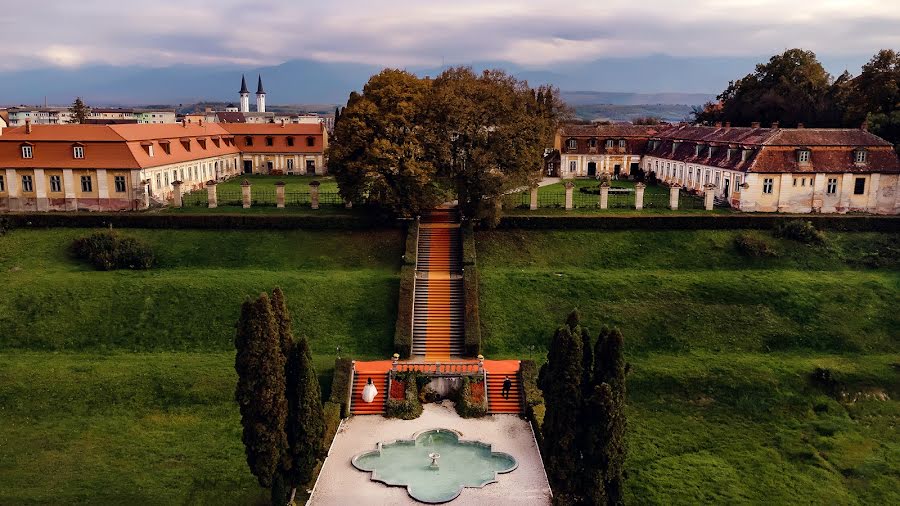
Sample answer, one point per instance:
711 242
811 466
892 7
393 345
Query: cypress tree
306 425
599 349
260 391
560 382
283 322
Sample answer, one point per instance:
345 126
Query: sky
535 33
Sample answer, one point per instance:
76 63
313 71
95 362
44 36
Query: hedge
343 367
403 333
468 243
410 407
472 320
412 243
198 221
849 223
332 413
533 398
464 405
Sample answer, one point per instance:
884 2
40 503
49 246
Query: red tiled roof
611 131
273 128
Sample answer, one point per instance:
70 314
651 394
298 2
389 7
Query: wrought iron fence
688 201
656 200
620 200
195 199
330 198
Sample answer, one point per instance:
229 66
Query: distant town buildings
61 115
128 166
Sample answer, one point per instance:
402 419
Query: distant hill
581 98
621 81
671 113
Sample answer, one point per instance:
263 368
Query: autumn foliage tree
407 144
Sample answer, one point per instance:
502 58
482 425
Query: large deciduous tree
377 156
404 143
260 391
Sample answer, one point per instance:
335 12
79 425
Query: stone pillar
872 191
245 193
279 194
212 196
145 194
534 199
40 190
604 195
13 190
783 192
570 186
673 196
709 193
176 193
639 196
314 194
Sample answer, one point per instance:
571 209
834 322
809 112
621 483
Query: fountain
434 457
463 464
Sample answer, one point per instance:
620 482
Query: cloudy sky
414 32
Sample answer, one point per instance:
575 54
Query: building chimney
727 124
755 124
201 122
27 126
800 125
184 123
865 126
282 122
774 124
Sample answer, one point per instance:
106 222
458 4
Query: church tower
245 96
260 97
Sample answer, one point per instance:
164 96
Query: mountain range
655 79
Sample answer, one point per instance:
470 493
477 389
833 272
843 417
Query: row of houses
17 116
129 166
797 170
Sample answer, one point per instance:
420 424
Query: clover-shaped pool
411 463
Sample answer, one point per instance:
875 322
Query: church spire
259 88
244 86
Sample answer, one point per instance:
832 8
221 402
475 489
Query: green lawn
720 402
292 183
262 190
117 387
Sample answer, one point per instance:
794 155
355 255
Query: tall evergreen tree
260 391
79 111
560 382
306 425
282 322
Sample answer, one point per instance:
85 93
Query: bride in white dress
369 391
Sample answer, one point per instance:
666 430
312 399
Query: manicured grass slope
722 409
97 408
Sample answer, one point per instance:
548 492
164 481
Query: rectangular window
859 186
78 152
706 178
795 181
150 150
270 141
803 182
158 181
737 183
248 141
717 178
2 184
290 164
573 165
174 176
768 184
622 143
86 184
181 171
609 143
55 184
27 185
803 156
860 157
120 184
290 141
831 189
27 152
310 141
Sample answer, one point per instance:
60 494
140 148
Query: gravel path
342 484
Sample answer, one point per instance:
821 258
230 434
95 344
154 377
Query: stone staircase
497 403
438 306
376 407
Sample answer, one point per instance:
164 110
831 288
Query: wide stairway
438 306
496 374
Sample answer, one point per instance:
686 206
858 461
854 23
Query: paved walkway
340 484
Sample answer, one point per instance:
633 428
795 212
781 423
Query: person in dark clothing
507 385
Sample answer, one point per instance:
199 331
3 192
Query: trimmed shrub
340 385
471 398
412 246
403 336
206 221
697 222
800 231
332 415
472 320
5 225
752 246
533 398
107 250
410 407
